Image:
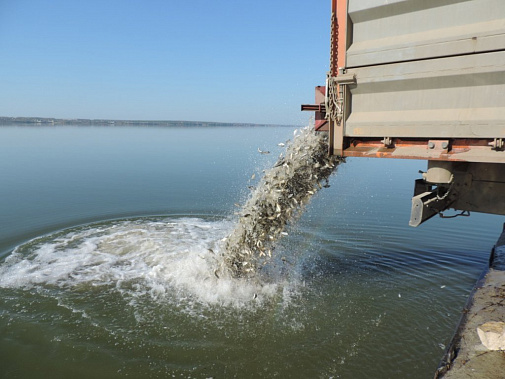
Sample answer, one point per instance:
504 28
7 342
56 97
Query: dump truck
421 79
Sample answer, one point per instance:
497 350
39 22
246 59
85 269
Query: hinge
497 144
387 141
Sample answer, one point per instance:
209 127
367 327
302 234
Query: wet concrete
467 357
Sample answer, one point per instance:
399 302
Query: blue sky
222 60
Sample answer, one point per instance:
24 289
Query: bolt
445 145
431 145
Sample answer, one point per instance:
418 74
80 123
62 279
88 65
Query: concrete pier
477 349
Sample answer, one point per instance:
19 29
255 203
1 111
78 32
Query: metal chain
333 108
446 192
333 103
334 45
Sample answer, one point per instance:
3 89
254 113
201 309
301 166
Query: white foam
163 258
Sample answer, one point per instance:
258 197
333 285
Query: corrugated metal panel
456 97
382 31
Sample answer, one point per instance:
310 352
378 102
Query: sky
220 60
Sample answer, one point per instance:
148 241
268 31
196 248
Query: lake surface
105 272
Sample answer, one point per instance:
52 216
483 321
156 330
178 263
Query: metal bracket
345 79
388 142
427 204
497 144
441 146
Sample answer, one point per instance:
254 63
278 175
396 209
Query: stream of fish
277 200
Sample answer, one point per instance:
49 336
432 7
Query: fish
279 195
280 162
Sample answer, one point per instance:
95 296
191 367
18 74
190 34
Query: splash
168 259
185 261
278 199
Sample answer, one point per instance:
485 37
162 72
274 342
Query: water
106 269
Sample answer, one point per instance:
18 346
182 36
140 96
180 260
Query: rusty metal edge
458 149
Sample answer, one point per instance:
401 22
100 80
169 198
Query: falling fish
277 198
263 151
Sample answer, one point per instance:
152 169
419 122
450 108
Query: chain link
334 45
333 102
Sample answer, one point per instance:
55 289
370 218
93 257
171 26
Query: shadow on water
427 265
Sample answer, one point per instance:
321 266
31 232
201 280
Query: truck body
421 79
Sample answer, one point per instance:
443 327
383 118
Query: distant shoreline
103 122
